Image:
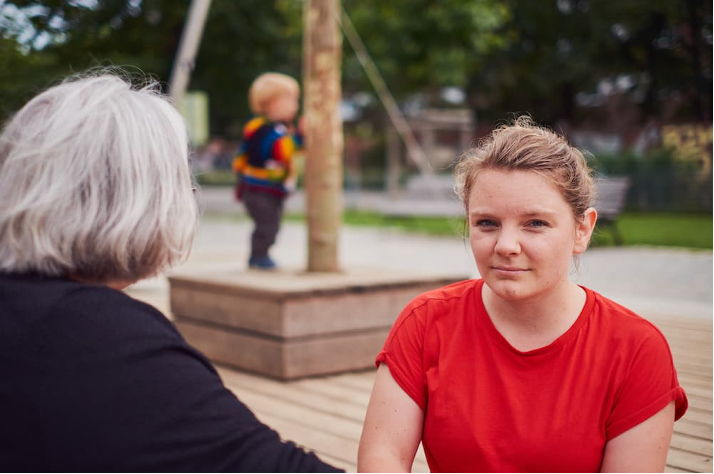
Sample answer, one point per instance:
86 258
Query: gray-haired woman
95 194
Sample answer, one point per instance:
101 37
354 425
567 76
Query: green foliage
514 55
71 37
558 49
420 45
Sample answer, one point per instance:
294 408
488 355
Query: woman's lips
510 270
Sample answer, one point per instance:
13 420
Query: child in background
264 162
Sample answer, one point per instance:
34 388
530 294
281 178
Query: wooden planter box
289 324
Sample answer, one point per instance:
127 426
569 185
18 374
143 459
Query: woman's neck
535 322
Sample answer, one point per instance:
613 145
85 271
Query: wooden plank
689 347
689 461
362 381
338 392
697 359
295 394
283 359
333 353
336 447
694 445
696 323
363 377
704 393
682 346
696 368
702 367
265 404
699 332
692 428
699 403
700 381
698 416
669 468
339 463
317 440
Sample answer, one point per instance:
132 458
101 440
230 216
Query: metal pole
188 47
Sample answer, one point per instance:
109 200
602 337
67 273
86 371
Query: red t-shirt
491 407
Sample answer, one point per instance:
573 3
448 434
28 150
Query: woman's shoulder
622 323
454 291
100 308
59 305
441 302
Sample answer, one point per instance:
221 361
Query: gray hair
95 182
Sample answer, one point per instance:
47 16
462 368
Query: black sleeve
124 392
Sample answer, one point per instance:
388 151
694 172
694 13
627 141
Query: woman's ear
584 230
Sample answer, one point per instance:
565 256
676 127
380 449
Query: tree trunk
323 133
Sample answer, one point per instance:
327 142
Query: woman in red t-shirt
522 370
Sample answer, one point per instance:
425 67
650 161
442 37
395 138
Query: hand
290 184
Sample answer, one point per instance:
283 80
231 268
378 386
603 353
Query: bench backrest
611 196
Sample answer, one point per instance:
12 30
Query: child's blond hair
266 86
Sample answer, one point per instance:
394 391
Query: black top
93 380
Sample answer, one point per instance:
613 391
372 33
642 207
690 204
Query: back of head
525 146
268 85
94 182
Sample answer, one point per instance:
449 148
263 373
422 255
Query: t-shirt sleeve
650 385
403 352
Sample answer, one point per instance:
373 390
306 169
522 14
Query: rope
414 149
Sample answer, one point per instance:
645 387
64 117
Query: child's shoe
263 262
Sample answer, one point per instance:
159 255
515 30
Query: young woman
522 370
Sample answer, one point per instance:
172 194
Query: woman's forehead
518 191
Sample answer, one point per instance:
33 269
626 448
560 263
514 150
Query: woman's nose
507 243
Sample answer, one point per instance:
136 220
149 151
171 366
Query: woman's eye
537 223
485 223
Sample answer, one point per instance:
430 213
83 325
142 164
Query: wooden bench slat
689 461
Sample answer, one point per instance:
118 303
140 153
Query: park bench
610 200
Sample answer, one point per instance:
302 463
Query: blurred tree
558 59
422 45
565 56
43 41
46 40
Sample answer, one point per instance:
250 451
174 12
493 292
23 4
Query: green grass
688 230
446 226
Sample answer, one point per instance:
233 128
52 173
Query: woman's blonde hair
95 182
522 145
268 85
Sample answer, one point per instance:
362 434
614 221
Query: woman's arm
642 448
392 428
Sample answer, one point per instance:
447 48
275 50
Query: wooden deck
325 414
